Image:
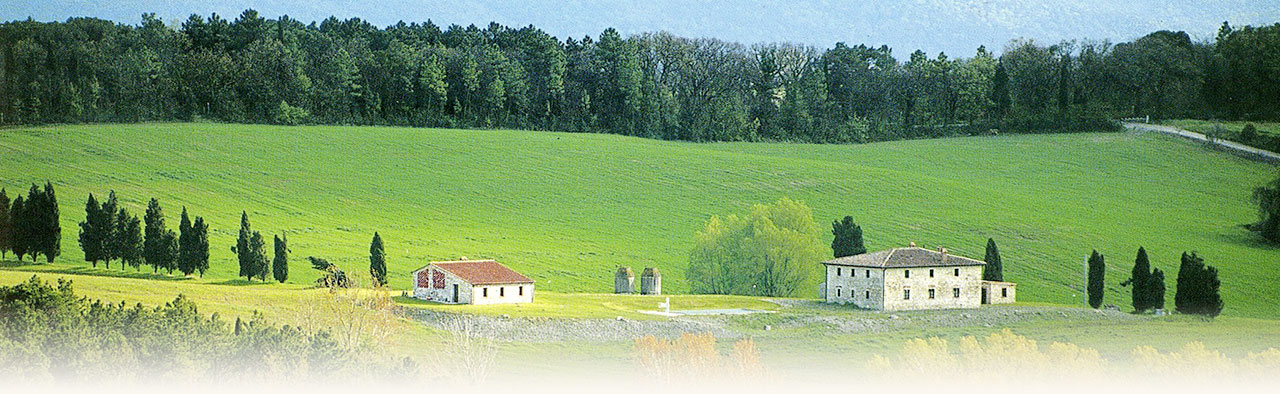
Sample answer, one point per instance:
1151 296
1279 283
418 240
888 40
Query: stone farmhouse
911 278
477 282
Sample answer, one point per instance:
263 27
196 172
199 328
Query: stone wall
863 287
952 287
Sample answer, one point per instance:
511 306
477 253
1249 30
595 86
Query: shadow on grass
1248 238
89 271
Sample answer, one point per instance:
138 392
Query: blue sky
954 26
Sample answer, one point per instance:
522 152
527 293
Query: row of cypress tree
250 252
109 232
29 226
1197 285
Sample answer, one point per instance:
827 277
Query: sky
956 27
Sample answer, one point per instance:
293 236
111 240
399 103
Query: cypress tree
31 226
1155 289
1097 274
994 270
20 227
1185 284
377 261
1000 91
91 232
258 257
280 264
50 224
200 246
110 243
130 239
848 238
1198 287
6 225
1140 280
243 253
169 251
154 250
186 245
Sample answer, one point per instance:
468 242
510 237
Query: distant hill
567 209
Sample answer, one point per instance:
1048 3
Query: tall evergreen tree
110 243
200 252
129 239
280 264
50 226
186 245
377 261
92 233
1097 281
258 257
244 254
6 225
30 223
1155 289
1140 280
848 238
169 251
18 241
154 250
1000 91
1198 287
994 270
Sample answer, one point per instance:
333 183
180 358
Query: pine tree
110 243
1140 280
92 233
848 238
1097 274
200 253
243 253
377 261
129 231
50 226
280 264
6 225
994 270
1155 290
154 247
186 245
258 257
20 227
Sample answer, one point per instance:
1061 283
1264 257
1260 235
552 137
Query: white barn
911 278
477 282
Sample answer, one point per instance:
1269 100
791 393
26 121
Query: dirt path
1234 147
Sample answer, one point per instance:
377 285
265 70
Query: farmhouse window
955 292
424 279
837 271
437 279
908 273
520 290
502 292
930 273
484 292
868 273
931 294
837 292
1004 293
906 294
957 272
868 294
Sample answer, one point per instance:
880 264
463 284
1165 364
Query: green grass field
567 209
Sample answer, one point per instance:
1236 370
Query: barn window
484 292
955 292
1004 292
930 273
502 292
908 273
957 272
931 294
906 294
520 290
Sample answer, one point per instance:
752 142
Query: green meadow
568 209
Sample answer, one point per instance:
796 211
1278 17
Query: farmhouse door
984 296
455 293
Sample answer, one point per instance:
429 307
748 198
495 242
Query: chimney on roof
912 244
463 258
942 250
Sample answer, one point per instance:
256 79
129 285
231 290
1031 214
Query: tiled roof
904 258
482 272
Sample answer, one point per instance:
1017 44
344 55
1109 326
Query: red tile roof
482 272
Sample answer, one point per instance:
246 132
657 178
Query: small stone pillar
624 281
651 281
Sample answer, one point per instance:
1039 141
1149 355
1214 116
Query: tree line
109 232
29 226
657 85
1197 285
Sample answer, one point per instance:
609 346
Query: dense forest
657 85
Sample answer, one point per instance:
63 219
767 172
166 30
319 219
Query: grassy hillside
567 209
